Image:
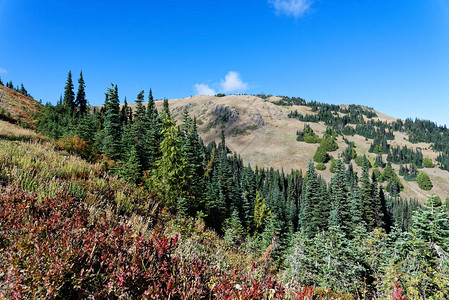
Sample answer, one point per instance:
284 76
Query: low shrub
74 145
50 249
321 167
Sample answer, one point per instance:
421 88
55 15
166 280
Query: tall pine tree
112 128
69 95
171 174
81 101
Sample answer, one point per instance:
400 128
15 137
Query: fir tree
125 114
194 155
376 205
309 217
69 95
140 125
261 212
340 199
131 168
165 109
152 113
321 155
216 202
171 176
424 181
356 208
366 195
81 101
431 223
112 127
153 133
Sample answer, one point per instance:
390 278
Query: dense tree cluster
404 155
307 135
409 172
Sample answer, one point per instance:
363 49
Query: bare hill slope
263 134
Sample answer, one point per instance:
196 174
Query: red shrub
51 249
397 293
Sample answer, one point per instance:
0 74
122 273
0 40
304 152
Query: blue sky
390 55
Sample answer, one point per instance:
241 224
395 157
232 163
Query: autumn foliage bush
51 249
74 145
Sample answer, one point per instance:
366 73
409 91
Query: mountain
262 133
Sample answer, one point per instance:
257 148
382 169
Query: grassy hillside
17 108
262 133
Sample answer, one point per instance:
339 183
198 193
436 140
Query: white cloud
204 89
233 83
295 8
3 71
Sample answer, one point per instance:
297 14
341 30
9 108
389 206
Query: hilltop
264 135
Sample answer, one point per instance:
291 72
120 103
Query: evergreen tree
131 168
431 224
376 205
233 230
23 91
249 191
140 125
309 217
427 163
194 154
112 127
69 95
386 221
366 195
152 113
356 208
165 109
341 214
86 129
171 175
261 212
81 101
125 114
321 155
424 181
153 133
